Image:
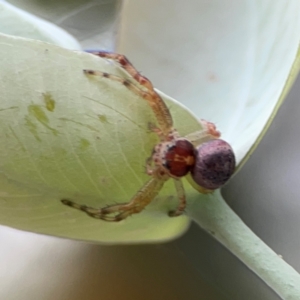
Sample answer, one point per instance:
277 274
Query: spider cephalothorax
176 156
209 159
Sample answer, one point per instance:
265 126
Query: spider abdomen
215 163
180 157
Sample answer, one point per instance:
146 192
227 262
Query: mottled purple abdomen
215 163
180 158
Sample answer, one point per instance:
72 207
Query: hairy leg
118 212
159 107
182 199
127 66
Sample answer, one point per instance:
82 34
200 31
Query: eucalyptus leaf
65 135
226 61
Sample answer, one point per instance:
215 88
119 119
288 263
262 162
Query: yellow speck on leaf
84 144
49 101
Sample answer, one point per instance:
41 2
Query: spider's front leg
119 212
127 66
146 91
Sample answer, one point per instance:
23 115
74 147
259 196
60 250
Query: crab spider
211 164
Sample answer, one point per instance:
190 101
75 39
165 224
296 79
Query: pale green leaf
64 135
226 61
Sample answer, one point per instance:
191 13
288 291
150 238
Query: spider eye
215 163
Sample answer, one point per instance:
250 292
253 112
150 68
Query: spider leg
199 137
118 212
127 66
127 83
208 132
149 169
87 209
156 130
210 128
158 106
182 199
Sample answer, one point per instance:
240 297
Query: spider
211 164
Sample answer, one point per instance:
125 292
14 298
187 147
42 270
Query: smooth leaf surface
228 61
65 135
14 21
